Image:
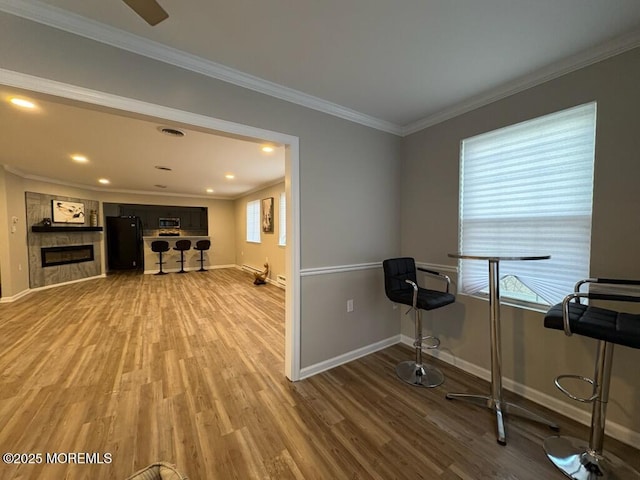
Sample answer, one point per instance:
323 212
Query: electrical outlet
350 305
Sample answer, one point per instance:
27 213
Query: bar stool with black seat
202 245
160 247
401 286
576 458
182 246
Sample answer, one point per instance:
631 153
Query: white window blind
282 220
253 221
527 189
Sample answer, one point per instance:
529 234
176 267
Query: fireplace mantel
52 229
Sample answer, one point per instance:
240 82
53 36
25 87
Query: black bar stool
401 286
202 245
182 246
160 246
576 458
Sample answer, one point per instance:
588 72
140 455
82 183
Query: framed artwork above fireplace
67 212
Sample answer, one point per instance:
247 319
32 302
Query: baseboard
614 430
47 287
251 269
347 357
15 297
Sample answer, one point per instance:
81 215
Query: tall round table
495 400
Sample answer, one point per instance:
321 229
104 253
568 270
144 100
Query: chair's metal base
573 457
419 376
501 409
161 273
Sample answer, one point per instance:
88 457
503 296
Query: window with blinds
282 220
253 221
527 189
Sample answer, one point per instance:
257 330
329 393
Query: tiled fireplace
64 253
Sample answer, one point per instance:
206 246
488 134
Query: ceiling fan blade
149 10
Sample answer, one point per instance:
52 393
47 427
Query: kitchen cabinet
191 218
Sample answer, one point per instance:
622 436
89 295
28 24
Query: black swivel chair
576 458
182 246
202 245
160 246
401 286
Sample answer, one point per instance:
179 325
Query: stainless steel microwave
169 222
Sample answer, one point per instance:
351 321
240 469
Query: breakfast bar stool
182 246
574 457
160 246
202 245
401 286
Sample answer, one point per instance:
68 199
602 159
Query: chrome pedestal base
573 458
419 376
500 409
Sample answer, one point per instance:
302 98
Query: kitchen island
172 257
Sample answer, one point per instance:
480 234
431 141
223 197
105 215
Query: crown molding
570 64
92 188
82 26
70 22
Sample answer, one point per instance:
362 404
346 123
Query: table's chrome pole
495 401
496 350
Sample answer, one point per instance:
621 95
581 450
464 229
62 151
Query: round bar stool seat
182 246
202 245
159 247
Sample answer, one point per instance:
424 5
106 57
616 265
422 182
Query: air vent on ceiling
160 186
172 132
160 167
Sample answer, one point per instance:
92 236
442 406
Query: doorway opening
128 106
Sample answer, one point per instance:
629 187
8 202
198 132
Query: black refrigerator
124 243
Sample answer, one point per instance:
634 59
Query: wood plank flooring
188 369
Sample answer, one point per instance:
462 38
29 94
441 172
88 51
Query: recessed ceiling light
79 158
230 176
104 181
21 102
172 132
160 186
209 190
160 167
267 149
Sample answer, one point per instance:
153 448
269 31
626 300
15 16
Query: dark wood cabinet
191 218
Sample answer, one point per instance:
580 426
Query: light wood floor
188 369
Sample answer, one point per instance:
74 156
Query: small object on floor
158 471
261 277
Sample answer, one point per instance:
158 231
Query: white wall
256 254
14 260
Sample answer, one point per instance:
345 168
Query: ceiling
397 66
397 61
126 149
